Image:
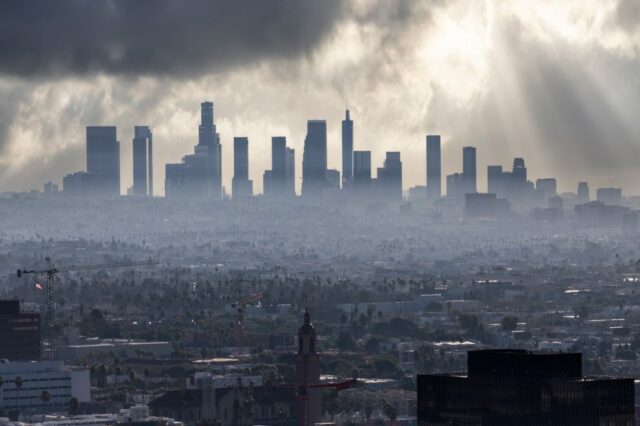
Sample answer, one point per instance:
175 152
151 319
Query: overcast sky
557 82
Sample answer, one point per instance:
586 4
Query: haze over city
553 82
320 212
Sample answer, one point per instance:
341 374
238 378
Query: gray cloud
165 37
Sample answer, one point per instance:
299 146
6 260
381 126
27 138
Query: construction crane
239 326
303 394
51 271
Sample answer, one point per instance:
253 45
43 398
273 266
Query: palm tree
18 383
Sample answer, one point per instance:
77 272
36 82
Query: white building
121 347
62 383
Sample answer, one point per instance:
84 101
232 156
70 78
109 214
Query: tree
73 406
509 323
18 384
344 341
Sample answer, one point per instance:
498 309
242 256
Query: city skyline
568 105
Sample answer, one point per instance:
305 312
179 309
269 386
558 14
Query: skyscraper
361 169
278 165
347 150
290 181
241 186
142 161
209 138
495 182
434 167
583 191
103 160
519 172
314 158
390 176
199 175
469 169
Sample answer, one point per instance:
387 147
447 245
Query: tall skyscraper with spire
347 150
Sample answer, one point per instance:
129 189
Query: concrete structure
62 383
121 347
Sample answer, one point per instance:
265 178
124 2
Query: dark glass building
278 165
347 150
314 159
241 186
434 167
103 160
19 333
522 388
469 170
142 162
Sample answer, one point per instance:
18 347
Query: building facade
517 387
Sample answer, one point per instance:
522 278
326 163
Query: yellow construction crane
51 271
239 326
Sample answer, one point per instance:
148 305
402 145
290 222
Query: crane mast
50 272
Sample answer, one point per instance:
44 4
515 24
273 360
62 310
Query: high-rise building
583 191
347 150
495 180
610 196
361 169
469 169
103 160
19 333
199 175
308 369
519 172
278 165
517 387
456 186
142 161
241 186
314 159
547 187
434 167
390 176
290 181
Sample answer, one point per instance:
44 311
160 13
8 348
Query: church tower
308 372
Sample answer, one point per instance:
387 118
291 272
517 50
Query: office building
546 188
199 175
495 181
434 167
610 196
142 162
487 206
278 165
389 178
517 387
62 383
361 169
19 333
314 159
50 188
241 186
103 160
290 181
469 169
583 191
347 150
456 185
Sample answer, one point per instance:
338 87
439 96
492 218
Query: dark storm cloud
170 37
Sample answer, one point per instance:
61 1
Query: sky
554 81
